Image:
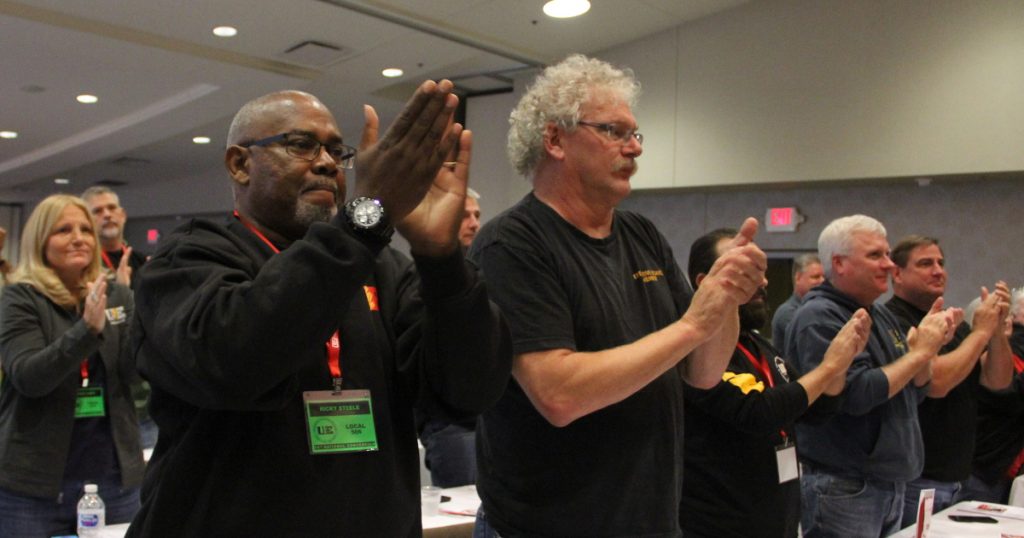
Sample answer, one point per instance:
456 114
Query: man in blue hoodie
856 465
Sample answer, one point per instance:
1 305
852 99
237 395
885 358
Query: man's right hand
931 334
847 344
123 275
989 316
732 281
400 167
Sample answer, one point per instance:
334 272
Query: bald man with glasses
288 346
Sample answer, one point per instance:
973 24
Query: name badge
116 315
785 457
339 422
89 403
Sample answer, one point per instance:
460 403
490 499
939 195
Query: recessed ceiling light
225 31
8 134
201 139
392 72
87 99
563 9
62 181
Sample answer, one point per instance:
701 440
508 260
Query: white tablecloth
1010 522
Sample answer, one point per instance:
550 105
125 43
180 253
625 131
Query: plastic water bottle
92 513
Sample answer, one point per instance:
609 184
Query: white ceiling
162 77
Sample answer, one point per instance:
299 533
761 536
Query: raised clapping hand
94 313
850 340
935 329
847 344
732 281
989 316
123 276
432 228
400 168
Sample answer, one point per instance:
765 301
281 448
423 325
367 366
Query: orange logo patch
648 275
371 298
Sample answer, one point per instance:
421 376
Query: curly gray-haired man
588 439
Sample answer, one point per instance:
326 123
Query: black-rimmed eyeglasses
307 148
615 131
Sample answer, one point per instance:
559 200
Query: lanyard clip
337 384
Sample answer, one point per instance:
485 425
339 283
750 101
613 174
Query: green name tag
339 422
89 403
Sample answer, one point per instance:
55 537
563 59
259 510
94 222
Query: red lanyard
108 261
761 365
84 371
334 342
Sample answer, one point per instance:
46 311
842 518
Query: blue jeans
977 489
22 516
482 528
148 433
841 507
946 494
450 453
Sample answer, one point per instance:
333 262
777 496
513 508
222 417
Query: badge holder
338 422
89 403
785 458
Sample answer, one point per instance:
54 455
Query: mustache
630 165
321 184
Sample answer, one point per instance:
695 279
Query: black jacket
42 345
230 335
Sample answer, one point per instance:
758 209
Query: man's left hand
432 228
123 276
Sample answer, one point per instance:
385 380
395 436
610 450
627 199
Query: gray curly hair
556 97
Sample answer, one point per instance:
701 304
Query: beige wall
977 224
797 90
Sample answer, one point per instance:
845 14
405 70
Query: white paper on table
464 501
994 510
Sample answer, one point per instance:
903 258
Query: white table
1011 522
114 531
456 516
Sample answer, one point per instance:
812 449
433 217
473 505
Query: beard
293 225
754 314
110 232
307 214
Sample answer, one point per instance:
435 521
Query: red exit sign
782 219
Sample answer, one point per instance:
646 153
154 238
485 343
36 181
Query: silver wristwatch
366 216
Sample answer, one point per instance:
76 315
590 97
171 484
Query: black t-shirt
947 424
732 487
614 472
1000 435
93 456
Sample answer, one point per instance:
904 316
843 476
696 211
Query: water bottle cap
91 488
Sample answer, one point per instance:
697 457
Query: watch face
367 214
